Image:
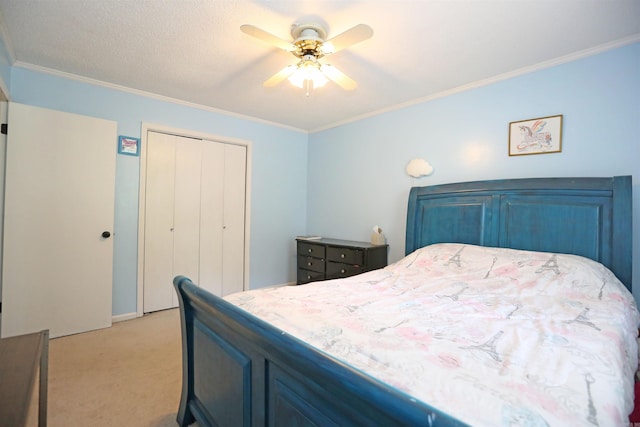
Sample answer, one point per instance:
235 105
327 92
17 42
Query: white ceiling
194 51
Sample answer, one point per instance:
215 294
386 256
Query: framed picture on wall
535 136
129 146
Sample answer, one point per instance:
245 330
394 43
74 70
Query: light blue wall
355 174
5 68
357 171
278 184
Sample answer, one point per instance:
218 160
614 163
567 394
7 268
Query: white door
212 194
3 152
194 216
222 232
186 209
234 219
172 216
158 236
59 199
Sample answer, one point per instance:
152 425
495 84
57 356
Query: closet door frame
151 127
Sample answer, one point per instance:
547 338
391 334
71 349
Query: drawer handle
343 271
308 277
309 264
310 250
342 255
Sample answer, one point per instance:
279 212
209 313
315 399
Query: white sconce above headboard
418 168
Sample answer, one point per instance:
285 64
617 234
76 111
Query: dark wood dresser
324 259
24 358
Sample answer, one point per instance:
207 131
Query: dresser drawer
310 249
326 258
345 255
306 276
338 269
310 263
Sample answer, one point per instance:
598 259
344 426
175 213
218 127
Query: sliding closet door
186 209
172 221
158 236
234 218
194 217
211 226
223 217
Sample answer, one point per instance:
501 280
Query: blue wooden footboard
241 371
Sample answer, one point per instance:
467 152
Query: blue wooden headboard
590 217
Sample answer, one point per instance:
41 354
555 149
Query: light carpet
127 375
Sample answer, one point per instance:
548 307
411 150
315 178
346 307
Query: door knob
106 234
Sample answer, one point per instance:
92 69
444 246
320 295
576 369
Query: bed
557 351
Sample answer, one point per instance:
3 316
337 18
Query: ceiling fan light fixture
308 76
309 45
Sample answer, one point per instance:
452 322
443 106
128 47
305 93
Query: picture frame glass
128 145
541 135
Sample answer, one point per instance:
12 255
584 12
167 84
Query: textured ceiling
194 51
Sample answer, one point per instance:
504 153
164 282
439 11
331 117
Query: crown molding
501 77
95 82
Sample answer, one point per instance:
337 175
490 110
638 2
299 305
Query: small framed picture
535 136
129 146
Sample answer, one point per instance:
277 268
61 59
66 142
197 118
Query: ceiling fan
309 45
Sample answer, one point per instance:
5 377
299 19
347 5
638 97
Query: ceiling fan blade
267 37
280 76
350 37
337 76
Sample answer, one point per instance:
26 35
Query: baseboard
122 317
129 316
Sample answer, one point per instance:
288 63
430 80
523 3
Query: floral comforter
493 337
